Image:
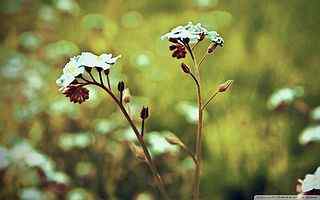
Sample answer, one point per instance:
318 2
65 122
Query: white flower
103 61
184 32
311 181
73 67
65 80
213 36
193 33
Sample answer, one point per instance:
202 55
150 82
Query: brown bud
121 86
225 86
144 113
212 47
126 95
185 68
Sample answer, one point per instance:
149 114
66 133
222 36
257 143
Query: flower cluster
182 36
71 81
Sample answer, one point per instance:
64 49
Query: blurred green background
53 149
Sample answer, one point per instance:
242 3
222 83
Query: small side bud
144 113
126 95
225 86
121 86
185 68
107 71
212 47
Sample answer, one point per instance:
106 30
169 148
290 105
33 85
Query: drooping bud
225 86
126 95
185 68
121 86
212 47
144 113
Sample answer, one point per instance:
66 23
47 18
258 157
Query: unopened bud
126 95
121 86
185 68
107 71
225 86
212 47
144 113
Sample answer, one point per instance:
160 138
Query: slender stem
198 146
108 81
100 77
202 59
93 79
154 170
209 100
190 154
194 46
142 128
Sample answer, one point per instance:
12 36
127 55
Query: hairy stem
153 168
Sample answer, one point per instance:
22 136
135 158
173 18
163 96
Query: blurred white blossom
310 134
284 96
315 114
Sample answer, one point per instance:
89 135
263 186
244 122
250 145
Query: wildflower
284 97
76 93
103 61
311 183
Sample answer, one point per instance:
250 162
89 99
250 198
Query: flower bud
225 86
126 95
212 47
107 71
144 113
185 68
121 86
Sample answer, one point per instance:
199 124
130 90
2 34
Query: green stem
153 168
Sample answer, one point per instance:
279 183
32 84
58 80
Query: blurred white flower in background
315 114
284 96
310 134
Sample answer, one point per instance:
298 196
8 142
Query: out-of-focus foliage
53 149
